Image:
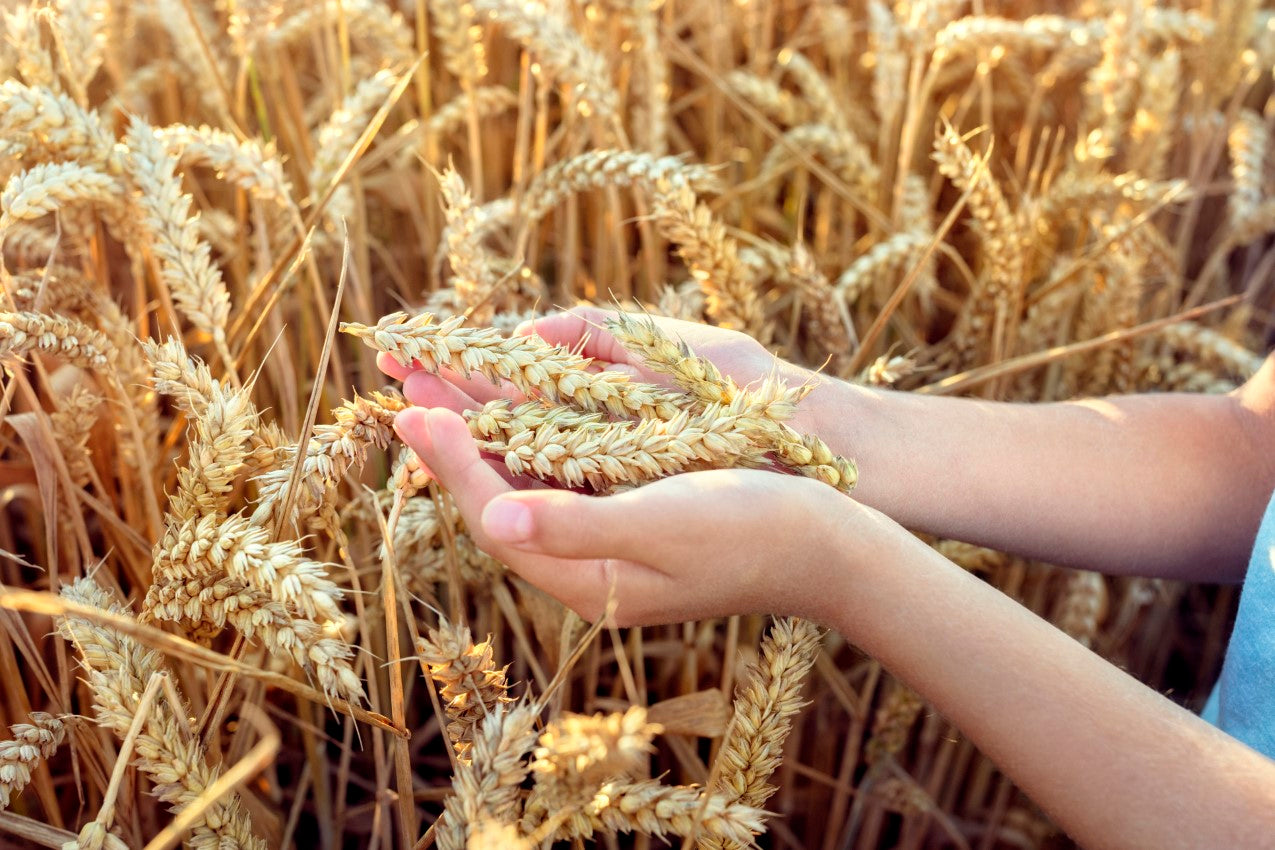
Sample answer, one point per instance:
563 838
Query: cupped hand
692 546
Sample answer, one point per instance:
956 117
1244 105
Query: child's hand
691 546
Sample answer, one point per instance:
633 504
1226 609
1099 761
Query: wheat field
237 613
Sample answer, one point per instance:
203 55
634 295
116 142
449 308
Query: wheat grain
486 101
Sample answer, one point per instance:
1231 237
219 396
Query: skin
1167 485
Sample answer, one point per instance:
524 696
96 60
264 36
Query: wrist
858 543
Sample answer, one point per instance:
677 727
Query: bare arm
1171 485
1114 763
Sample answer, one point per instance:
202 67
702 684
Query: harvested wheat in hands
559 434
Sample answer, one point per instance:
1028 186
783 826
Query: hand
692 546
737 355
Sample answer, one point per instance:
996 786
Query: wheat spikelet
1083 605
604 454
22 32
817 94
249 21
780 106
977 34
657 175
49 289
711 257
652 87
486 101
190 28
31 743
474 273
827 323
339 133
887 371
881 265
1248 142
765 703
999 287
72 425
761 411
240 549
1155 117
43 124
94 836
80 29
56 336
561 52
186 266
531 365
460 38
253 167
49 187
891 67
331 451
893 722
487 788
1109 87
118 670
1210 348
844 154
374 23
209 600
469 683
661 810
578 753
188 381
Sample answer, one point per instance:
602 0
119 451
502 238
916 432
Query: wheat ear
118 670
470 684
32 743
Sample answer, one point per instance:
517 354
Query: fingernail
507 521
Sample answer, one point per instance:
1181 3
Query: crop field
236 611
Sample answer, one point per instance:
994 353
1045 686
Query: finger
426 390
580 324
559 523
387 364
481 389
441 439
659 524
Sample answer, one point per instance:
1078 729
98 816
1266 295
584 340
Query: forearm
1171 485
1115 764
